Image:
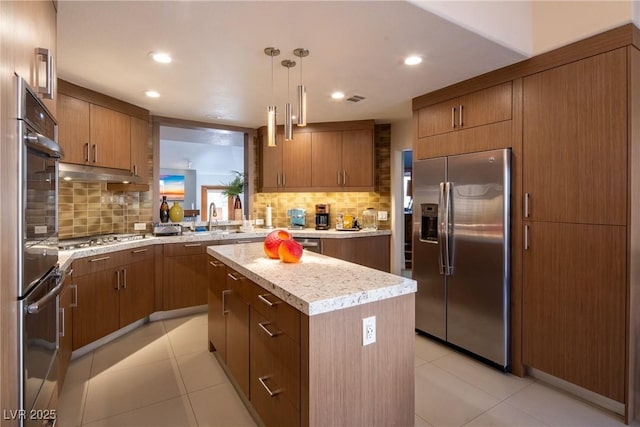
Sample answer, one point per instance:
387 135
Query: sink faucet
212 214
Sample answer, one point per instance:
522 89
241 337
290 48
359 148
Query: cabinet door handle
192 245
99 259
224 302
453 117
460 116
266 301
138 251
284 179
47 58
62 322
95 153
526 205
135 170
216 264
75 296
124 278
526 237
266 387
117 280
88 151
344 177
234 277
263 326
277 179
338 177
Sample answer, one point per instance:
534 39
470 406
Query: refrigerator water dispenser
429 225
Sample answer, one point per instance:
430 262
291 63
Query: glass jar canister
369 219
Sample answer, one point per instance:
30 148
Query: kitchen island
291 337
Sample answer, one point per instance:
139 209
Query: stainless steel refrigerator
461 251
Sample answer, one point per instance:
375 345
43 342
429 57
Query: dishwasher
310 244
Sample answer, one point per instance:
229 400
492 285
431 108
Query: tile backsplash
88 208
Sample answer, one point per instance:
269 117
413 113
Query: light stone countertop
66 257
318 283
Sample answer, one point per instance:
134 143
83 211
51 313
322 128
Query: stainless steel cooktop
102 240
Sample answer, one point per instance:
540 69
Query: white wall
401 139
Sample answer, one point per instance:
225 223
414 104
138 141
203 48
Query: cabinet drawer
277 370
97 263
276 311
186 248
137 254
239 284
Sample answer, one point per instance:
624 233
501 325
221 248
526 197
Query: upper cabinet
320 157
35 47
287 166
475 109
343 160
575 141
96 130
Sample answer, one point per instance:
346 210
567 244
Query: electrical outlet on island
368 330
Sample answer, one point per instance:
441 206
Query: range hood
73 172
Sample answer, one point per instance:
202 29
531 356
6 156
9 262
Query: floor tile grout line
86 392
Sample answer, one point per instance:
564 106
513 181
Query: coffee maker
322 216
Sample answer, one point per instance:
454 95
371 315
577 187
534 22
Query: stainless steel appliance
102 240
39 278
461 251
322 216
312 244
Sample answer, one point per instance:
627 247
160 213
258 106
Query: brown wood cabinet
575 141
139 149
475 109
321 157
371 251
113 291
97 130
343 160
216 311
574 304
184 282
287 166
67 302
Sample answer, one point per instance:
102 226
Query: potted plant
232 190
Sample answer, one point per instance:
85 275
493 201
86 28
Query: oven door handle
37 306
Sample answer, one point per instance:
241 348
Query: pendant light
288 121
271 110
302 90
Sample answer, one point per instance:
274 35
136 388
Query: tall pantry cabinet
575 280
26 26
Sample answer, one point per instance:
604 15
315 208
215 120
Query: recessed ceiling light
337 95
152 94
412 60
161 57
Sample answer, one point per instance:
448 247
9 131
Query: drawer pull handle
266 387
192 245
216 264
263 326
137 251
234 277
266 301
104 258
242 241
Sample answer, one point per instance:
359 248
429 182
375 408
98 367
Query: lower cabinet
257 336
184 282
67 302
113 290
370 251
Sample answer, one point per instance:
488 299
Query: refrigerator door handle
441 228
448 238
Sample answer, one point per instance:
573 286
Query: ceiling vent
355 98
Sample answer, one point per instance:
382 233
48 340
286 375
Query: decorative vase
164 210
176 213
237 209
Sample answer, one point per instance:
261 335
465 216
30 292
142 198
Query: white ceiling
220 69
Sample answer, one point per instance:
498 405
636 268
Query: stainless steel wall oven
40 280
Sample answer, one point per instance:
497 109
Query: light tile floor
162 374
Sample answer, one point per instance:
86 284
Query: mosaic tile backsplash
88 208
